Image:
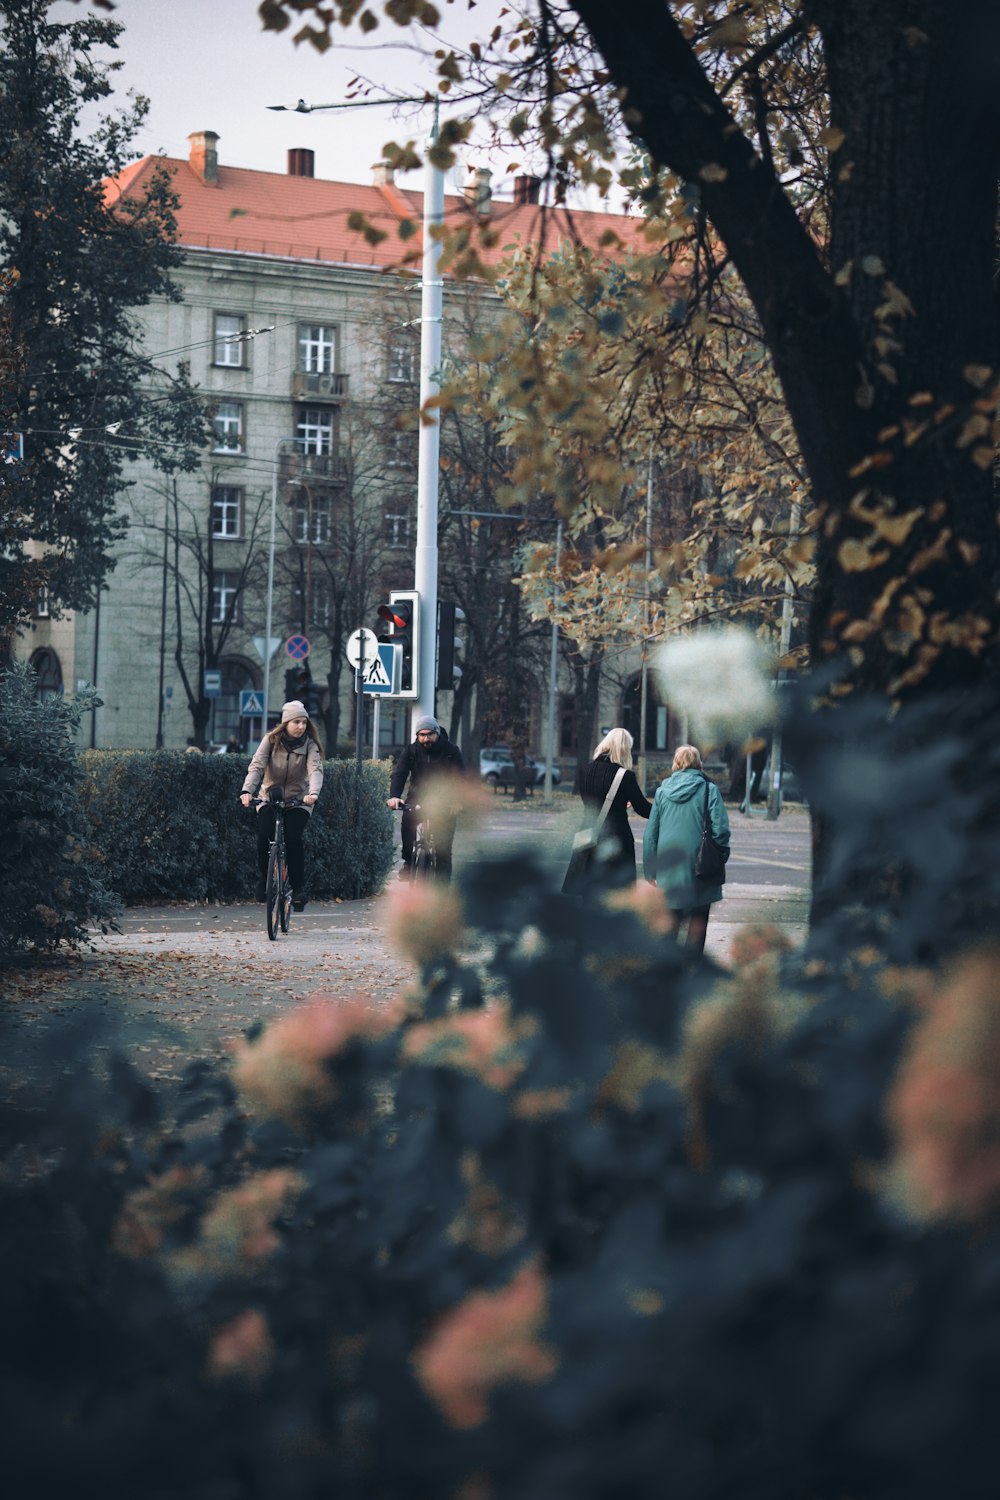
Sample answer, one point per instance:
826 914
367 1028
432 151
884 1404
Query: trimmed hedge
50 884
168 827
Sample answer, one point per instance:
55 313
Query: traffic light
313 700
450 646
297 682
402 616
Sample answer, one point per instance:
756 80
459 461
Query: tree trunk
881 356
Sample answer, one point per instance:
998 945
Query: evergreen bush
51 884
169 827
608 1229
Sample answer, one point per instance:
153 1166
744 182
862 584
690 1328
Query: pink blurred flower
241 1349
756 942
945 1104
238 1232
425 919
488 1340
148 1213
646 902
483 1042
284 1072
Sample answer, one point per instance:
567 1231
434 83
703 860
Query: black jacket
593 782
417 765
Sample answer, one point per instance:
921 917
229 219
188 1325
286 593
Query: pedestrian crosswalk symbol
376 674
381 670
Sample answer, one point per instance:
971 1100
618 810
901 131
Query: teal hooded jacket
673 837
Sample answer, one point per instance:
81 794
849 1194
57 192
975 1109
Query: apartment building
303 337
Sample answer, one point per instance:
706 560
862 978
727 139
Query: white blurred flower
721 680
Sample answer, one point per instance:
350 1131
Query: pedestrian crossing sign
251 704
382 671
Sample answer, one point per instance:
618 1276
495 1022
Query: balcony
320 468
312 385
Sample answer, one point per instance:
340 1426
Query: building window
402 361
314 431
227 726
225 598
48 673
320 606
396 529
42 603
229 427
316 348
402 449
229 340
311 519
227 513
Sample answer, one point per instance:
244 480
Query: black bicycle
278 890
424 860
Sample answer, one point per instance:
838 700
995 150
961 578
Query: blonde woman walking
593 783
673 837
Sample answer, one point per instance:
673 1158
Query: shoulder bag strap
705 824
619 778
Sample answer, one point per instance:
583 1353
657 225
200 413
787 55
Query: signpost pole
376 714
360 710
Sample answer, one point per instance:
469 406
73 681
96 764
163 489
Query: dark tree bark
915 194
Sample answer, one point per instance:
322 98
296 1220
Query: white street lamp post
268 654
425 568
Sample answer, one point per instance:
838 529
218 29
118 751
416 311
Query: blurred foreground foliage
51 888
167 826
574 1220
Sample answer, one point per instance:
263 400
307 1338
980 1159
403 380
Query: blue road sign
382 671
213 683
297 647
251 704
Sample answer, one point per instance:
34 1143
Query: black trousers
296 823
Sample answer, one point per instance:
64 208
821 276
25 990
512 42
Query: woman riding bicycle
290 759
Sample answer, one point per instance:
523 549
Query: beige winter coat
297 772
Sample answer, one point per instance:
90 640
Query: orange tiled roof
305 218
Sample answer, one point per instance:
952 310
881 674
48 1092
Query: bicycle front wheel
275 894
423 863
285 904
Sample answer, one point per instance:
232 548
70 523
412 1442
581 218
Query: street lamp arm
302 108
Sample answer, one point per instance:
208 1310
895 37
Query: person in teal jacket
673 837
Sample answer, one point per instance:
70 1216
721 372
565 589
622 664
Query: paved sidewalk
768 882
182 981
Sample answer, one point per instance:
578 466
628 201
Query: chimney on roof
203 156
526 189
301 162
383 174
479 194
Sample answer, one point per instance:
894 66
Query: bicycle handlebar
271 801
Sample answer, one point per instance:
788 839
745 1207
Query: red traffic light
397 621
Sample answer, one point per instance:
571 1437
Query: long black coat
593 782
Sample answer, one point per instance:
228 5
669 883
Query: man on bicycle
429 759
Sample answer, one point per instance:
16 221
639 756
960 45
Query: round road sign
297 647
354 646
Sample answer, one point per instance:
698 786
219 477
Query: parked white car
496 767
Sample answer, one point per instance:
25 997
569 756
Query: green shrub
169 827
621 1231
51 884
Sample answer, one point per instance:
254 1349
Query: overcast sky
207 65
